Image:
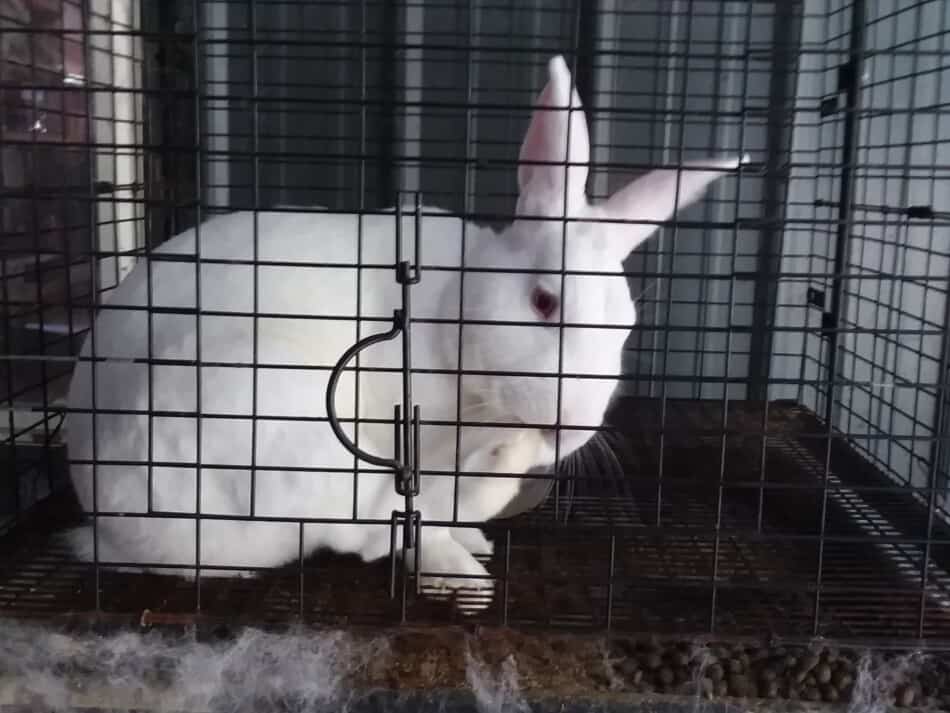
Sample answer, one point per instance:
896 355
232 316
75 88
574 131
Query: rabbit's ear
656 196
557 134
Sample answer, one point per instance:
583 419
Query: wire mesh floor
710 528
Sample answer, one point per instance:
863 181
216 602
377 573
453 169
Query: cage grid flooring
736 549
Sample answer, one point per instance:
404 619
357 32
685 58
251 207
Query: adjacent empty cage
774 460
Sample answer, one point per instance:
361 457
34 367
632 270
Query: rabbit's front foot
447 566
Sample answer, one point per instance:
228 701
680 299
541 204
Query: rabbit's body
528 335
323 487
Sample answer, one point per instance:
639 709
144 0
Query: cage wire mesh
774 459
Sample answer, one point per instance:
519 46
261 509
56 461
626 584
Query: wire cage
773 458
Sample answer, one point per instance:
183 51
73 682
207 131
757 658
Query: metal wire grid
889 300
53 177
660 576
903 99
825 571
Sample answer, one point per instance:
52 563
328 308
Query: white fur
227 348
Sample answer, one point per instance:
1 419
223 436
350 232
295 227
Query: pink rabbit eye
544 302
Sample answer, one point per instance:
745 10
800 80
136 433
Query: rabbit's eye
544 303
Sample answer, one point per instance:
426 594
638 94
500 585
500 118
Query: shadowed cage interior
774 458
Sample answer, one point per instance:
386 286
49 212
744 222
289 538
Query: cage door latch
404 463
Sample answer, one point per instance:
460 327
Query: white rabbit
300 468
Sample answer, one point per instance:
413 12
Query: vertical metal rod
892 351
878 372
724 423
404 579
845 214
149 337
708 288
37 262
34 218
611 568
469 208
199 157
763 460
911 447
397 433
940 434
361 204
417 552
507 585
115 151
846 192
416 446
392 555
668 306
94 276
300 571
565 221
936 479
386 185
11 386
68 257
408 443
584 48
786 39
662 139
255 217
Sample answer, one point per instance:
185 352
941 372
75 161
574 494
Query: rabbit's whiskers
646 289
480 406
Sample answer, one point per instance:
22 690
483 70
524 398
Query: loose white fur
304 670
289 337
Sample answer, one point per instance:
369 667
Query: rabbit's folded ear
557 135
656 196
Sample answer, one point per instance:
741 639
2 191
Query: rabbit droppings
297 467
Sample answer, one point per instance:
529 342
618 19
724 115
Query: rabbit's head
544 325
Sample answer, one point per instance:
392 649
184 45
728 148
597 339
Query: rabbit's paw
449 568
473 540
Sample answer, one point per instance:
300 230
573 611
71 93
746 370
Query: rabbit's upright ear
557 135
656 196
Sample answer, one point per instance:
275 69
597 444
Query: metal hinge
847 76
816 298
